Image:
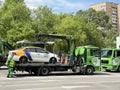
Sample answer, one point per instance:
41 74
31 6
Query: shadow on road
62 74
113 72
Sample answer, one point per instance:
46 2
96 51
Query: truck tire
89 70
44 71
23 60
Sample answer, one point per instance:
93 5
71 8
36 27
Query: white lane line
24 84
96 82
61 87
47 88
73 87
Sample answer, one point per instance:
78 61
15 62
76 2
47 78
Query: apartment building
112 9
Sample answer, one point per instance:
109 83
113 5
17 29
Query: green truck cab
110 59
90 56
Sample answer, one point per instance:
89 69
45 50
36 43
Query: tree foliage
44 20
100 18
17 22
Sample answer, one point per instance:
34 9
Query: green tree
83 32
16 21
110 38
101 21
100 18
43 20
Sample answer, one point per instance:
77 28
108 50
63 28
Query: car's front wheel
23 60
53 60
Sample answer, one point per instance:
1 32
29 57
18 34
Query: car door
43 56
31 54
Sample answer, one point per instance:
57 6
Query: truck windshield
106 53
95 52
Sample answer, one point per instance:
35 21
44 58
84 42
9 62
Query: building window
114 25
114 10
102 8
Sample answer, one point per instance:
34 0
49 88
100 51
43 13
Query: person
11 64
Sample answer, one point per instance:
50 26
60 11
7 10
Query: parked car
33 54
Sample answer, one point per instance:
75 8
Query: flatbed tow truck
77 63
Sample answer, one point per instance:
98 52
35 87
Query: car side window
40 50
32 49
27 50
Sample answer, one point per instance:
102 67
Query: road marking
29 84
72 87
46 88
65 87
96 82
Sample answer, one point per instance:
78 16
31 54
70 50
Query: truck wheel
44 71
52 60
23 60
89 70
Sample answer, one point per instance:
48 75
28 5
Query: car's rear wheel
52 60
23 60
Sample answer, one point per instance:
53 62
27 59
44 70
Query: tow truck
83 63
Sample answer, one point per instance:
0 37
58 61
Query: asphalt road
60 81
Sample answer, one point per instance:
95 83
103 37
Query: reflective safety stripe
12 63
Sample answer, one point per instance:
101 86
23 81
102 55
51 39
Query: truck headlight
96 61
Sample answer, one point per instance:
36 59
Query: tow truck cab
90 56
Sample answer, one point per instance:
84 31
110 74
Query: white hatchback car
33 54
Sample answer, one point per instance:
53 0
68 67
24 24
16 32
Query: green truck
90 56
110 59
82 59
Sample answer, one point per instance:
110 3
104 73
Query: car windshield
106 53
95 52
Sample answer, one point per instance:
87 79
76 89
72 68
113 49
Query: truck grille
104 61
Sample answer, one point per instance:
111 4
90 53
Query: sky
65 6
